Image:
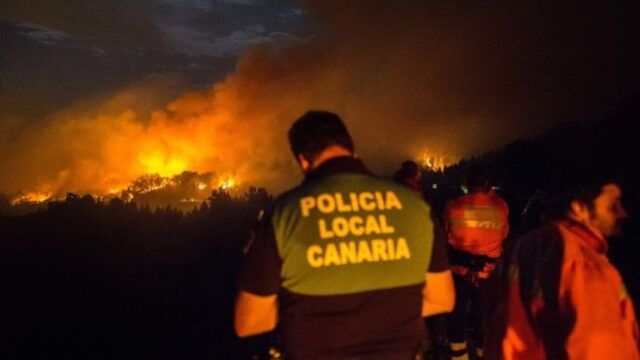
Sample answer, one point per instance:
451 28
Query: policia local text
354 251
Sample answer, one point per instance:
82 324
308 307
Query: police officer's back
345 256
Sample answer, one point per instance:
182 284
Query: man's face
608 211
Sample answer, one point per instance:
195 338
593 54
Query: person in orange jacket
476 225
562 297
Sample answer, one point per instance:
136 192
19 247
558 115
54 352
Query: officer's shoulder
293 195
402 191
388 184
398 188
373 183
285 197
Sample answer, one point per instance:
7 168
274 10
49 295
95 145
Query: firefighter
346 264
476 225
562 298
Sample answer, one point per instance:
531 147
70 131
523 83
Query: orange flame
237 127
227 183
31 197
434 161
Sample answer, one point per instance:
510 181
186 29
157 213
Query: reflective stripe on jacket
477 223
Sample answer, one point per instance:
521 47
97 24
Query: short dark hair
317 130
573 183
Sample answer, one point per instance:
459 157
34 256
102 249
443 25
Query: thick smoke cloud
448 78
468 76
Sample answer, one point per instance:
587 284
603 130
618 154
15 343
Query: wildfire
158 163
434 161
149 183
104 142
31 197
187 187
227 183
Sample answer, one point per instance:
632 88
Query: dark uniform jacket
346 253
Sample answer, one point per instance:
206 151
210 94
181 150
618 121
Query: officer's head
318 136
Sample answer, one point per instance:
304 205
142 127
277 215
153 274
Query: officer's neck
331 152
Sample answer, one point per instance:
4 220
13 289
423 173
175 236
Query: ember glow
30 197
227 183
159 164
185 188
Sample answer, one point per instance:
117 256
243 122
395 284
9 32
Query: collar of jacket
595 242
341 164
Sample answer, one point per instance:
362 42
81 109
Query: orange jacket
591 293
477 223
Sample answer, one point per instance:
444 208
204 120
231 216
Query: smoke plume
412 79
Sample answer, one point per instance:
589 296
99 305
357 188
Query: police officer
345 263
476 225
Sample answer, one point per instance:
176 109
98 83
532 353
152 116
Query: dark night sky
455 78
56 52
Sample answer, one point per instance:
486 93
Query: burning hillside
433 161
183 191
400 86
